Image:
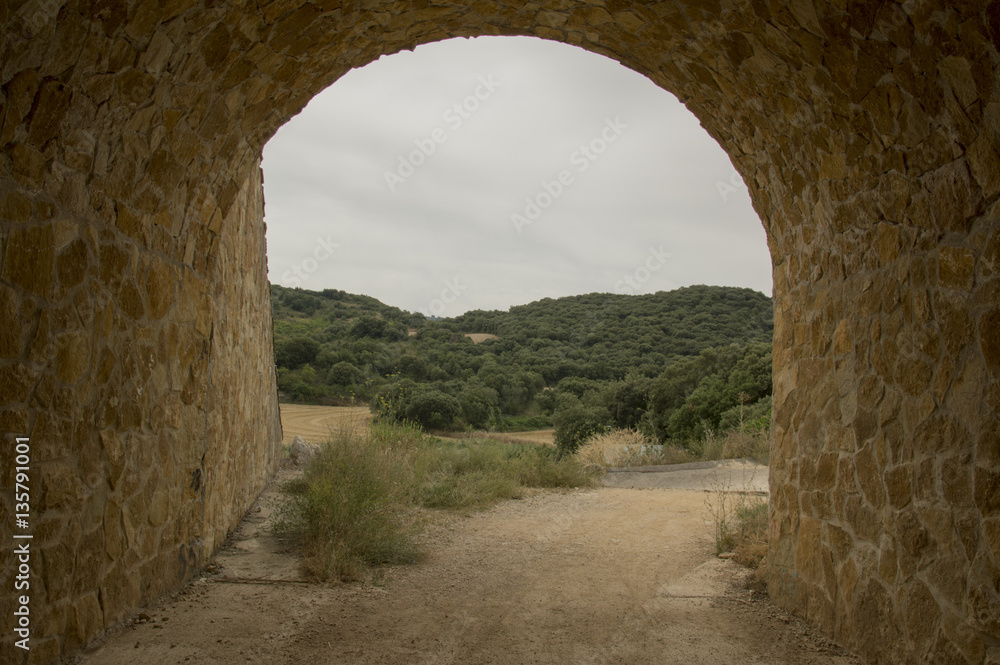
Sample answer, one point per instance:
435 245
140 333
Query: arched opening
415 191
133 256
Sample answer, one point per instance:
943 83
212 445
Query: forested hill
681 322
332 346
598 335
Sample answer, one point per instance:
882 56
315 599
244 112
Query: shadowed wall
136 341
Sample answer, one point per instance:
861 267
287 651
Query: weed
739 521
738 443
354 506
348 511
626 447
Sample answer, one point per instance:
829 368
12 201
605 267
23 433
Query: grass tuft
619 448
356 503
349 509
735 444
740 522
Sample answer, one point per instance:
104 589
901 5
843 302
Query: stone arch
133 263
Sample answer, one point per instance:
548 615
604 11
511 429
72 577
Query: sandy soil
313 423
593 576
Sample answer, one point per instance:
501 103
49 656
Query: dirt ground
581 577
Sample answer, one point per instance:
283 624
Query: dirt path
723 475
583 577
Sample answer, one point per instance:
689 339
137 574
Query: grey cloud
657 184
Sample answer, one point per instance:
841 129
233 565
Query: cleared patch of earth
480 337
605 575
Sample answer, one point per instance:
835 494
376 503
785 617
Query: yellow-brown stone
989 340
28 259
956 268
132 235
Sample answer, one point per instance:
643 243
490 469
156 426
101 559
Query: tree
630 400
575 422
413 367
369 326
295 352
432 409
479 404
343 374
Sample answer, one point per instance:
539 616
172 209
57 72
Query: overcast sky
491 172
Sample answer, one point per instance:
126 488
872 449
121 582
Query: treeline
672 364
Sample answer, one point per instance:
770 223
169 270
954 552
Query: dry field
480 337
313 423
540 437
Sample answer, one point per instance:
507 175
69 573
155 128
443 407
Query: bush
740 520
354 504
432 409
734 444
390 402
343 374
295 352
523 423
349 509
478 472
626 447
576 423
479 404
369 326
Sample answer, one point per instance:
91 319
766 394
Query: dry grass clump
349 511
735 444
357 504
740 521
619 448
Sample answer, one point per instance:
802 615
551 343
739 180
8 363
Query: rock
302 451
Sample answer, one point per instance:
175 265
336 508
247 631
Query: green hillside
671 363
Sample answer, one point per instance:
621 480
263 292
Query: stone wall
868 134
138 356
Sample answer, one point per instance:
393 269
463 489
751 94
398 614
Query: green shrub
343 374
523 423
353 506
479 404
432 409
576 423
295 352
349 509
